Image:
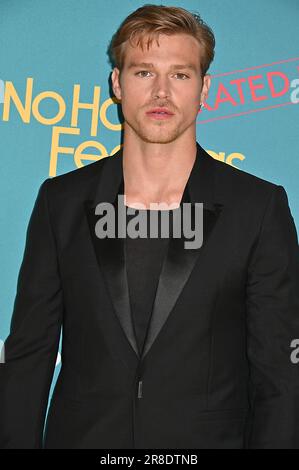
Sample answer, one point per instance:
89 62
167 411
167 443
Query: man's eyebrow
172 67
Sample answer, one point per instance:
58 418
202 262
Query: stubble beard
155 132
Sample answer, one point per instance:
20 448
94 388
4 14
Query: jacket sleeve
31 348
272 300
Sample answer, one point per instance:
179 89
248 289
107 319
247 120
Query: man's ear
116 83
205 88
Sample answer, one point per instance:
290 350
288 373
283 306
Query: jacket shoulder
77 182
233 183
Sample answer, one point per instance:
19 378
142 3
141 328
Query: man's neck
155 176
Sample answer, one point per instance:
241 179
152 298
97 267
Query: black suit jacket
215 370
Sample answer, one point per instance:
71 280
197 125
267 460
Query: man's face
181 90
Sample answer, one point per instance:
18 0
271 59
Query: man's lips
160 113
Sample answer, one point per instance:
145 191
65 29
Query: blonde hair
150 21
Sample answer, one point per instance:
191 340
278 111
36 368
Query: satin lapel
176 269
110 252
179 261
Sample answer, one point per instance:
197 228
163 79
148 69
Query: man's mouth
160 113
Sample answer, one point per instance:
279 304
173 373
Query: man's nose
161 87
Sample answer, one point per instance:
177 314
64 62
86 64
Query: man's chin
158 139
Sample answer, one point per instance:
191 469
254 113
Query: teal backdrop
53 58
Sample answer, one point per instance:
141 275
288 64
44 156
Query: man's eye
146 71
183 74
142 71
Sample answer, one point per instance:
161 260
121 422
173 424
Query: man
197 357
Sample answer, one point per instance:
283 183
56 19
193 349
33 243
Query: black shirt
144 257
